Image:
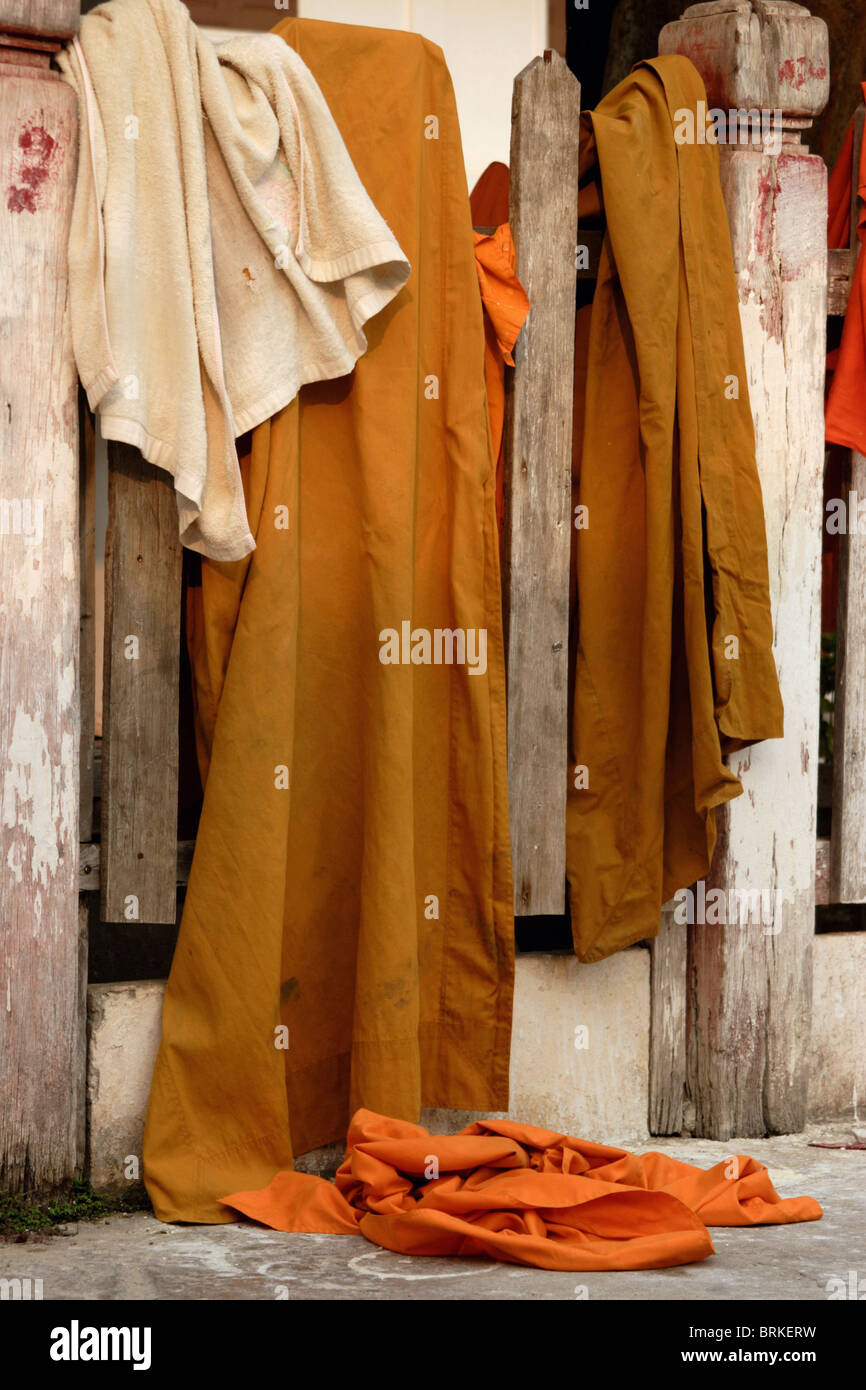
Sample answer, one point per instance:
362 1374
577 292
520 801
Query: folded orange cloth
522 1194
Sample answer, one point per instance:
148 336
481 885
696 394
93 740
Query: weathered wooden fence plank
859 123
87 641
241 14
840 267
822 874
140 701
667 1061
848 827
41 1024
750 985
78 1078
543 213
89 877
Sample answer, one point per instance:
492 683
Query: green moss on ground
22 1214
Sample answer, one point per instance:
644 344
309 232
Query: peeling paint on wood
667 1073
41 1023
759 54
749 989
795 72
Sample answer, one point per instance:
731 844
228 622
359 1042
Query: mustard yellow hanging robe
672 631
347 938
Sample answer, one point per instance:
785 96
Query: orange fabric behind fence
505 302
526 1195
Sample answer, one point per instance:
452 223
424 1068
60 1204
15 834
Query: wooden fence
742 999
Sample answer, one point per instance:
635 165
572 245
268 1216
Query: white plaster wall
123 1025
837 1079
579 1049
597 1091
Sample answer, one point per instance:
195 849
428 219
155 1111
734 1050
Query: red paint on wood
794 72
35 158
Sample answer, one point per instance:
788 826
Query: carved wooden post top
41 19
764 54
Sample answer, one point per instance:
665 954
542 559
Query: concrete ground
137 1257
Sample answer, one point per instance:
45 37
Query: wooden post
848 826
241 14
52 20
140 692
750 986
543 214
41 1020
87 643
667 1066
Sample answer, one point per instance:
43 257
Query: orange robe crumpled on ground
672 633
845 409
522 1194
505 302
347 936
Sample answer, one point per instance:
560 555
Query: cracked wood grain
140 692
543 215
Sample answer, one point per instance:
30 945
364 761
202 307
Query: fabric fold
522 1194
672 630
506 305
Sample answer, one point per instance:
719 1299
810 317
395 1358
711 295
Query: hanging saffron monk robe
351 882
672 649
